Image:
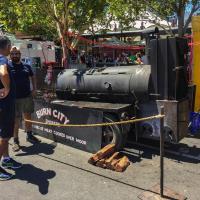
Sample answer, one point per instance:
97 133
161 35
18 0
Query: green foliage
87 13
183 9
38 17
125 11
24 16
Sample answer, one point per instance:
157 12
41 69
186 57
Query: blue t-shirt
21 74
11 96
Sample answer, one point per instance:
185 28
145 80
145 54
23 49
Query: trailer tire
117 135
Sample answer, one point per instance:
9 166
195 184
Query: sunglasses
15 54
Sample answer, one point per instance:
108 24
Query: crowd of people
93 60
135 59
17 88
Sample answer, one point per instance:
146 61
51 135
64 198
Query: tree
22 16
124 12
166 8
70 14
87 14
51 17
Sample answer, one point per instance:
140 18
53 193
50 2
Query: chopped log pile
108 158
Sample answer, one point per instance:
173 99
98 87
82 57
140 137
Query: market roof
114 42
131 33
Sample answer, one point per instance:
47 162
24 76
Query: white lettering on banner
68 137
43 112
48 130
66 121
81 141
59 134
55 114
51 122
60 116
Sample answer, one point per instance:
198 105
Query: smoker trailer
110 94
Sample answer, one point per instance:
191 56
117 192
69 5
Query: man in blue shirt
7 109
24 79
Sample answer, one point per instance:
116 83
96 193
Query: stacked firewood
108 158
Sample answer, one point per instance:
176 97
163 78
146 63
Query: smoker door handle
178 68
108 85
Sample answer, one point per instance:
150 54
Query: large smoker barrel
110 84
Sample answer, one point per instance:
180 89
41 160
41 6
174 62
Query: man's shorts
24 105
7 121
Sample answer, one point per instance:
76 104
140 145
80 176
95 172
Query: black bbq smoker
111 94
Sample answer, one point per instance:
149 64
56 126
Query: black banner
84 138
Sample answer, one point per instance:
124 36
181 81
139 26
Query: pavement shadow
35 176
180 152
97 174
184 153
132 156
38 148
196 136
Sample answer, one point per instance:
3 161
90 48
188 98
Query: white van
35 51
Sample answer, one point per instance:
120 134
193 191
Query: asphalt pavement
54 171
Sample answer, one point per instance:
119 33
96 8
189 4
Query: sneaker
4 175
32 139
16 147
11 164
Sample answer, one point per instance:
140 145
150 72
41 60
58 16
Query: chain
98 124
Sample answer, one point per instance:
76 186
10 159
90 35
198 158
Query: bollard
161 151
159 192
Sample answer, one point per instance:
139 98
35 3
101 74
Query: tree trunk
65 51
181 14
62 28
64 43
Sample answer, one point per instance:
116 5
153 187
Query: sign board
84 138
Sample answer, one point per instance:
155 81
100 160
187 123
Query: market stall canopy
115 43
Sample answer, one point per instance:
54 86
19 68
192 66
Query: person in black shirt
25 90
7 109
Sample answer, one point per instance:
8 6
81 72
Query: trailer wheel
113 134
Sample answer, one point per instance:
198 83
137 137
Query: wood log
101 163
112 158
103 153
122 164
113 164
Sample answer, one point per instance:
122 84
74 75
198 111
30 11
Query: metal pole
161 151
